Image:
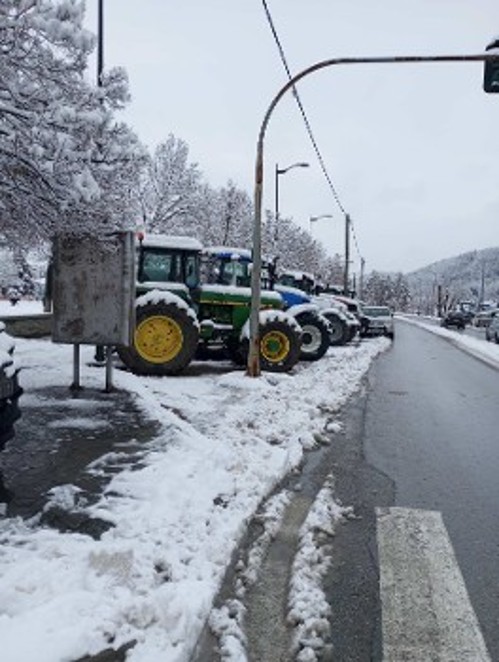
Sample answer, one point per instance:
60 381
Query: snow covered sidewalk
226 443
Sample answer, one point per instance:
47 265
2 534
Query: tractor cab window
234 273
159 266
191 271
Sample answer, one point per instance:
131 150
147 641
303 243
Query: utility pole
482 287
347 255
361 279
276 213
100 352
100 42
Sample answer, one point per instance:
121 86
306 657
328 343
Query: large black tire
338 329
315 339
9 411
279 346
351 332
165 340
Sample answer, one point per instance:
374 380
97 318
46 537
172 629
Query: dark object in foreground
10 390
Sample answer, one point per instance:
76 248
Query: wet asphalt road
421 433
432 428
58 438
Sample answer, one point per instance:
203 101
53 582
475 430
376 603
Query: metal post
361 279
482 287
253 356
347 254
109 368
276 231
75 386
253 367
100 42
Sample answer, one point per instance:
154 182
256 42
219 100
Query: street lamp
318 218
347 246
100 42
282 171
253 367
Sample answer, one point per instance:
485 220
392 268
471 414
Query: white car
484 317
376 321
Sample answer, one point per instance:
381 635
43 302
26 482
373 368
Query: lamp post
347 247
283 171
347 256
253 366
100 42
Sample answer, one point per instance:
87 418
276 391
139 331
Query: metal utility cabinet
93 292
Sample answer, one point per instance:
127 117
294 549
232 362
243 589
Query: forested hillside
472 276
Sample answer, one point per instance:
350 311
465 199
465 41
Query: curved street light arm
253 367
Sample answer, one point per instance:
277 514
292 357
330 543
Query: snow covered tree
170 191
388 290
378 289
333 271
401 293
232 221
65 162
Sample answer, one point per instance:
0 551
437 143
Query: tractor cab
169 263
226 266
298 279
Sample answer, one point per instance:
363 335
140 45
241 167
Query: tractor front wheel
165 340
279 346
315 336
338 330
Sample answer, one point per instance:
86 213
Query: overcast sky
412 149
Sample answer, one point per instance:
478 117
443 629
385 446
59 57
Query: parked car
484 317
376 321
454 318
9 388
492 330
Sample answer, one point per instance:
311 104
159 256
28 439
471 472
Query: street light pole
282 171
253 366
347 255
100 42
361 279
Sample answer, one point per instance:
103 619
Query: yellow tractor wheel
165 340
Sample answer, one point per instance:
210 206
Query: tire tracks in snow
272 607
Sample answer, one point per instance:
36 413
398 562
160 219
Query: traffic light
491 70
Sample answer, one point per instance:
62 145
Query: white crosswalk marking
426 612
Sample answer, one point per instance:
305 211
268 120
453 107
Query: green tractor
177 314
232 266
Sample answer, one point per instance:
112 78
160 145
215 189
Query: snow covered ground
226 442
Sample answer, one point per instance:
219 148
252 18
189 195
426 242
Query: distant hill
472 276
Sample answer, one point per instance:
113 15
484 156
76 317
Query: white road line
426 612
